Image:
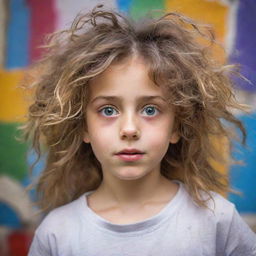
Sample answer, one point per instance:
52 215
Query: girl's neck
133 193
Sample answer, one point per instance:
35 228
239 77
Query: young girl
127 113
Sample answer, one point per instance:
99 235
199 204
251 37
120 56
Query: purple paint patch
245 51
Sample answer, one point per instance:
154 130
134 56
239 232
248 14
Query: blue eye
150 111
108 111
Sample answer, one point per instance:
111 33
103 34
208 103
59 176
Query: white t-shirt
181 228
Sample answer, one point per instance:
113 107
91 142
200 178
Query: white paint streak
224 2
13 194
68 9
232 27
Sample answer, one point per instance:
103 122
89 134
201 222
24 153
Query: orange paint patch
206 12
216 15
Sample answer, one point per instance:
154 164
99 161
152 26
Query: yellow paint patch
13 105
221 144
206 12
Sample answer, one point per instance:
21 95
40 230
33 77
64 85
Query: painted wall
23 25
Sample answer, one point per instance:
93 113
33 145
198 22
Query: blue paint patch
124 5
17 46
36 171
9 217
243 177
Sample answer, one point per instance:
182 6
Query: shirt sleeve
39 246
241 239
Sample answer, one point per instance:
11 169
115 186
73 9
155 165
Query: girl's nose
129 128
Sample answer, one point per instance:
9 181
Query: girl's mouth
130 157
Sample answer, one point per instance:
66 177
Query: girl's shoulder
222 222
67 215
219 211
216 204
58 224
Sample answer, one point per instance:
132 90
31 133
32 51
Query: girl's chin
130 175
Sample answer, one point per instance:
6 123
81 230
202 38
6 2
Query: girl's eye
150 111
108 111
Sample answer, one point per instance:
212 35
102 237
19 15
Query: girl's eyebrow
119 99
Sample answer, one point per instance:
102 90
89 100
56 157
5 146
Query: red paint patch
43 22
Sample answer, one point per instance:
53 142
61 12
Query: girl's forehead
125 85
132 73
134 65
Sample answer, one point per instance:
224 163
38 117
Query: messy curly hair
199 89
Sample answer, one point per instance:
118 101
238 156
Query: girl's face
128 112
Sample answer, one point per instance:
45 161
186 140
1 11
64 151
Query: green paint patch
141 8
13 161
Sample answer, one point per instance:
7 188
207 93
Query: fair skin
136 116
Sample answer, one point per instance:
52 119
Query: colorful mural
23 26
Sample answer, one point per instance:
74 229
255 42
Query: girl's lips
130 157
130 151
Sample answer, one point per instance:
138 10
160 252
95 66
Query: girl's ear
86 137
174 137
86 134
